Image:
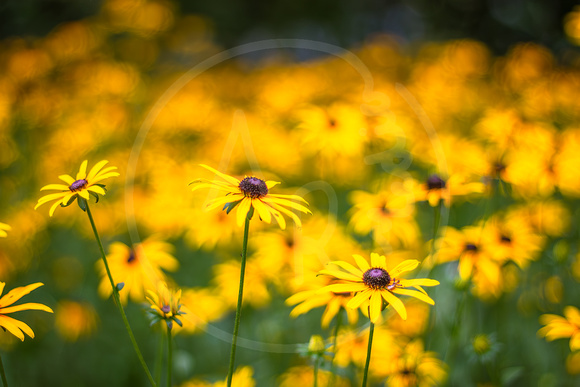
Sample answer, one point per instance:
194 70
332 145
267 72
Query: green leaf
228 207
70 201
82 204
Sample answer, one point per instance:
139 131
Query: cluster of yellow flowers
468 173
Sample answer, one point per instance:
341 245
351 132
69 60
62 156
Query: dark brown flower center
132 256
376 278
506 239
253 187
470 247
78 185
435 182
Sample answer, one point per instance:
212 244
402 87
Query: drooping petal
48 198
242 212
219 202
331 310
105 176
289 213
84 194
419 282
397 304
8 323
291 197
361 297
227 178
414 293
263 211
286 203
376 304
96 189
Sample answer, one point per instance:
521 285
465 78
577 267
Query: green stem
316 361
3 374
239 307
332 378
117 299
169 356
370 346
436 220
159 360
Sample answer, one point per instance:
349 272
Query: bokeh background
481 93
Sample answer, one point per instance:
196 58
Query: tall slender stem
117 299
159 360
3 374
316 362
239 307
370 346
169 355
332 378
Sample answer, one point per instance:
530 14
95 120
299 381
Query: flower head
165 305
558 327
10 324
375 283
3 228
138 267
82 188
251 193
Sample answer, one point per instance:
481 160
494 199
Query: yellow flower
165 305
436 189
3 228
304 376
242 377
82 187
75 319
415 367
12 325
138 267
251 193
310 299
558 327
375 283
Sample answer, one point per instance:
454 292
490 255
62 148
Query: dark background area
497 23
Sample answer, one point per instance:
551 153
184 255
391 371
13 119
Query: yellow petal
96 189
95 169
104 176
53 208
416 294
27 306
17 293
350 268
361 262
84 194
242 212
9 324
67 179
82 170
408 265
361 297
227 178
286 203
375 307
395 303
263 210
340 275
271 183
343 288
61 187
378 260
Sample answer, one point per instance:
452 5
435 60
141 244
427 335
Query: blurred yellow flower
437 189
558 327
415 367
18 328
373 282
165 305
209 306
3 228
82 187
304 376
138 267
388 214
251 192
75 319
242 377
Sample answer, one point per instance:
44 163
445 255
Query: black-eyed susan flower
375 283
16 327
82 187
558 327
415 367
165 305
437 189
251 193
138 267
3 228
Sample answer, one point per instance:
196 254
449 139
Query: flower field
287 212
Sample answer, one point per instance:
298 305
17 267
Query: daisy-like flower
3 228
251 193
375 283
83 187
165 305
18 328
558 327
